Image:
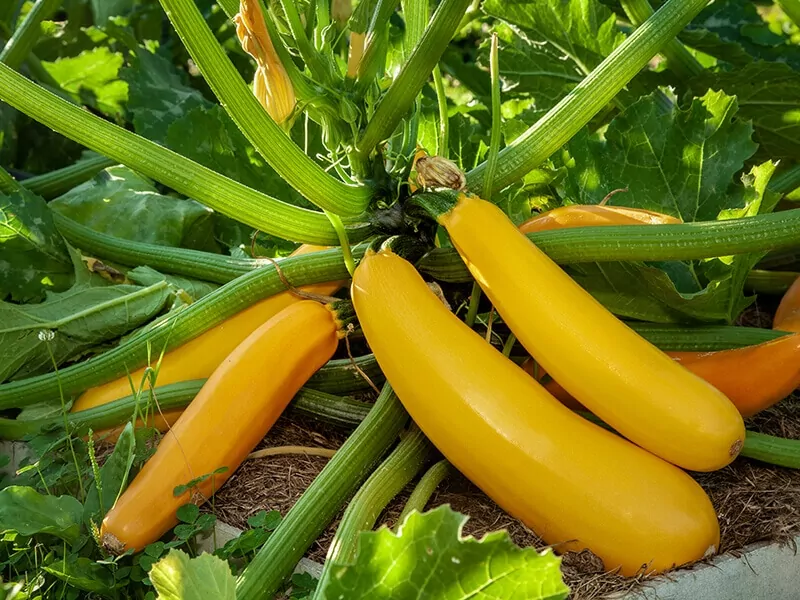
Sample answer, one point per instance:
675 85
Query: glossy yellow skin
623 379
594 215
574 483
232 413
197 358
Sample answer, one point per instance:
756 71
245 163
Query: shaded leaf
428 558
103 9
119 202
147 276
33 336
26 511
205 577
769 95
83 574
33 256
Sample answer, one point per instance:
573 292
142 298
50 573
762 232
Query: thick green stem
388 480
444 114
299 170
345 375
590 96
679 59
187 177
334 410
323 499
415 72
772 450
424 490
773 283
685 241
494 142
26 35
106 416
307 51
175 329
53 184
415 14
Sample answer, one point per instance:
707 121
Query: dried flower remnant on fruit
438 172
271 84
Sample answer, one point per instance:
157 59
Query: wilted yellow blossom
439 172
271 84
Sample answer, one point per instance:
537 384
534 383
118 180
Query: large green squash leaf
33 256
26 511
428 559
205 577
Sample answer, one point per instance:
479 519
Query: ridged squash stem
773 283
308 53
175 329
169 168
53 184
584 101
278 149
388 480
679 59
424 489
415 72
27 34
323 499
497 126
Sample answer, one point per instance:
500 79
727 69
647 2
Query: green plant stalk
323 499
55 183
344 242
704 338
773 283
334 410
105 416
307 51
415 14
231 7
341 376
175 329
590 96
169 168
412 77
772 450
679 59
792 10
684 241
267 137
423 491
375 42
26 35
494 141
474 302
197 264
786 181
444 116
388 480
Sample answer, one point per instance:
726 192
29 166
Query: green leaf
114 476
735 32
83 574
122 203
34 257
188 513
103 9
92 78
769 95
205 577
67 323
679 163
428 558
26 511
156 95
